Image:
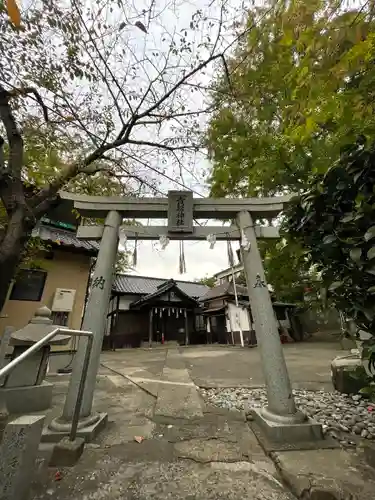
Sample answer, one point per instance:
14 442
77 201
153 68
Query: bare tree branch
30 90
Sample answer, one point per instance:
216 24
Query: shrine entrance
171 314
181 210
160 314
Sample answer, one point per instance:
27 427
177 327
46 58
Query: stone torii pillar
94 320
280 419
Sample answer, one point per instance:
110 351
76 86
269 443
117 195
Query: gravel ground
341 416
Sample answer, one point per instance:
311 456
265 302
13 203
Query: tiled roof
65 238
168 285
225 288
144 285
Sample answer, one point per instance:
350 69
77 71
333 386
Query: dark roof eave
168 285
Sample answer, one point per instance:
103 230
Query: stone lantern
25 389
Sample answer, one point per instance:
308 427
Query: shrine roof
167 286
64 238
145 285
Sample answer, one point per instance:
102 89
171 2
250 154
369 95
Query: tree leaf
13 12
355 254
371 289
370 233
366 390
141 26
329 239
371 253
334 285
347 218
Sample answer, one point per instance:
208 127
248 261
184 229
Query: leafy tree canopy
286 270
301 86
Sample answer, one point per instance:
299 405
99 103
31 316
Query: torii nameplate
180 212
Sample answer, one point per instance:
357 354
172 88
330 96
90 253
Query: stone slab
177 397
88 433
66 453
329 474
209 450
288 433
18 453
178 462
28 399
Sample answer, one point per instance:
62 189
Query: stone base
305 431
348 374
28 399
88 433
67 453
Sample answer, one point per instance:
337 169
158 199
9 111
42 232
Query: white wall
125 301
243 317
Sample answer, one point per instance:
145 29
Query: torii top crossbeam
157 208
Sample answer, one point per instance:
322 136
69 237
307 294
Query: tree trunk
16 235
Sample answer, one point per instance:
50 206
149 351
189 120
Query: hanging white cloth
211 238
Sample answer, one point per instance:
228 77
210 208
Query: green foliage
123 261
207 280
301 86
45 154
333 221
286 270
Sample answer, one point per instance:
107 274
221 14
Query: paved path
191 451
308 365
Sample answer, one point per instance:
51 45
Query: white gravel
341 416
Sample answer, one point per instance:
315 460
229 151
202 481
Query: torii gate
280 418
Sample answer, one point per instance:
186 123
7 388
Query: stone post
4 342
281 410
186 327
279 391
150 327
18 452
94 320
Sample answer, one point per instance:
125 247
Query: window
29 285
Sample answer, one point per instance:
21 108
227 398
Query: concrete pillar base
286 430
295 418
88 428
67 453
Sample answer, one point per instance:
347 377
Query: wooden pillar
186 328
150 328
